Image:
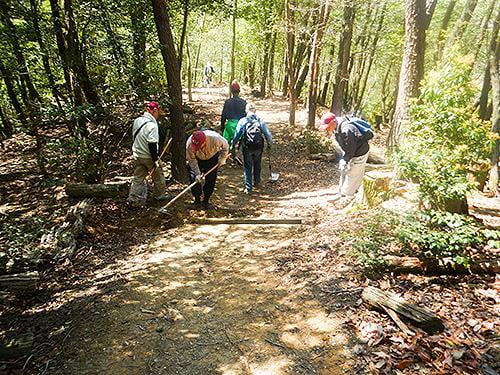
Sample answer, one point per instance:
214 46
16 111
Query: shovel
163 210
273 177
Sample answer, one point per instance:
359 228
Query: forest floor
158 294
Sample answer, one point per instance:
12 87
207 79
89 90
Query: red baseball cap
153 105
328 122
198 139
234 87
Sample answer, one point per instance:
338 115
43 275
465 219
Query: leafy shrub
312 142
446 140
425 234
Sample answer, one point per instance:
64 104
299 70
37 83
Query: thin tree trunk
342 75
7 126
115 47
189 72
484 28
461 25
11 92
271 63
197 60
183 32
443 29
75 58
172 69
290 39
45 55
417 19
233 44
329 69
265 63
137 13
324 14
494 58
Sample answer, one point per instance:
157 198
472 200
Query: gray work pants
138 188
351 180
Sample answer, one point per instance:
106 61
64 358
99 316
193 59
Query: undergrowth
425 234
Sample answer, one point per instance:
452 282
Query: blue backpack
364 127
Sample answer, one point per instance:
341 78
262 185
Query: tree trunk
197 59
75 58
45 55
418 15
115 46
18 52
342 75
419 316
61 44
140 80
96 190
271 63
317 45
183 32
265 63
189 72
7 128
484 29
301 79
461 25
443 29
233 44
11 92
494 58
172 69
329 69
290 41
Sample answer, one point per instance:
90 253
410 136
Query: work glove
343 165
156 164
199 178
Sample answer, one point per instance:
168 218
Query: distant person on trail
233 111
251 131
208 71
204 150
145 152
352 135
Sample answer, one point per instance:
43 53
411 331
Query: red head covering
328 122
153 105
198 139
234 87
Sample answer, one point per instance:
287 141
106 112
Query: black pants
209 185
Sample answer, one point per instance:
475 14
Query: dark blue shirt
234 109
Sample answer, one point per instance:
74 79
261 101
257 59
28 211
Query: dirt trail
204 299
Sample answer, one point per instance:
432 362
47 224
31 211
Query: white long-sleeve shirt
147 134
215 143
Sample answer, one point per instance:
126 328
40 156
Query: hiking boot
335 198
247 191
207 206
197 204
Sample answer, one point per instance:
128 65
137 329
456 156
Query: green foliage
446 140
312 143
21 238
429 234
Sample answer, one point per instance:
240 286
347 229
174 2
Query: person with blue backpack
352 134
250 132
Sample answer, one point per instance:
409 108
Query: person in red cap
204 150
352 135
233 111
145 152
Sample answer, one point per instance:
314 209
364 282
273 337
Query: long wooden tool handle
161 155
187 188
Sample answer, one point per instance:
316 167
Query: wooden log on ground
419 316
61 241
20 283
244 220
111 190
439 266
18 347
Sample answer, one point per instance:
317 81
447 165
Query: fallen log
244 220
20 283
439 266
62 241
17 347
419 316
97 190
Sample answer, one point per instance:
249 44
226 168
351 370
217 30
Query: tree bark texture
461 25
11 92
494 58
342 73
172 69
419 316
233 45
317 45
418 15
290 42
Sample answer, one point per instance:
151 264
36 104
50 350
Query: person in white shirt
145 140
205 149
